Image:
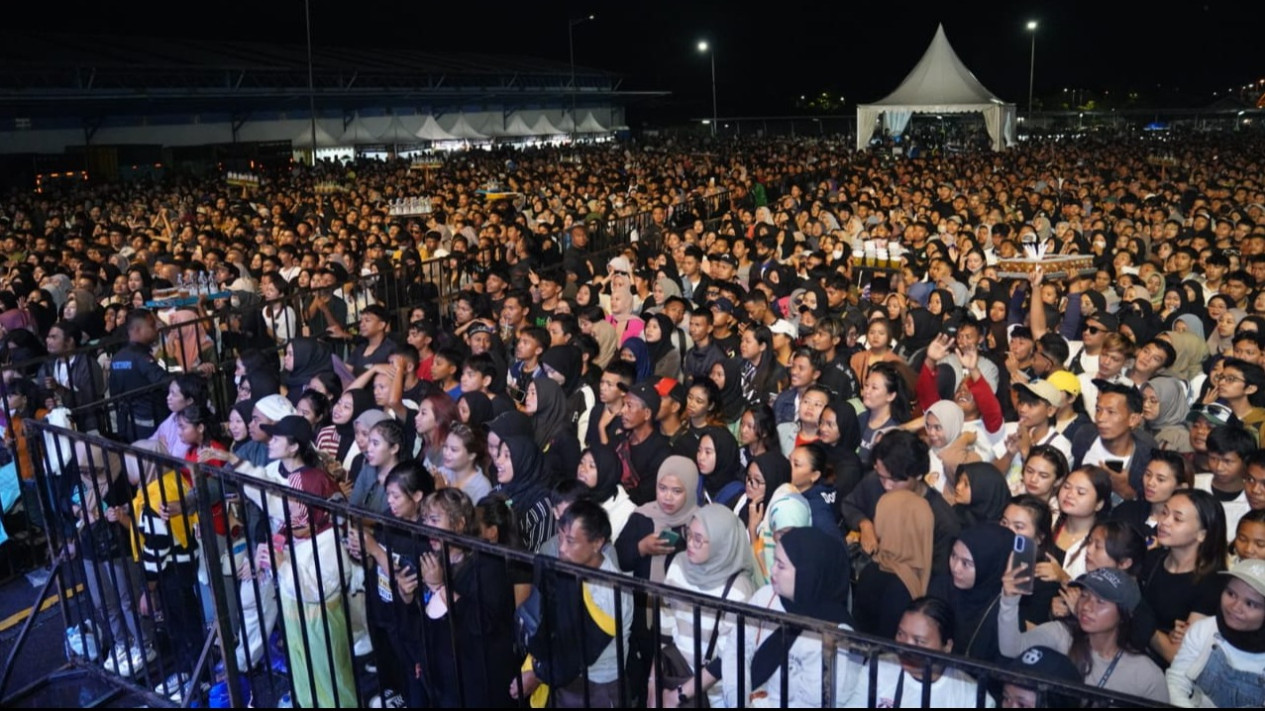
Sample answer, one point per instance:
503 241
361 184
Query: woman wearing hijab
1139 321
665 355
627 325
765 475
901 572
808 581
719 467
787 509
551 425
1221 342
475 409
727 375
600 470
1191 351
943 423
259 384
1165 404
981 494
920 329
304 359
1193 324
520 479
635 351
979 557
717 563
643 548
607 343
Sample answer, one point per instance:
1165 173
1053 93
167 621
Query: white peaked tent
938 84
430 130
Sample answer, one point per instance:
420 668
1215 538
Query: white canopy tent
939 84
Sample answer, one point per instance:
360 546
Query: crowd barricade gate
322 641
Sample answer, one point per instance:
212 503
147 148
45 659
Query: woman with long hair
879 338
1097 638
435 415
470 592
1166 474
929 623
885 395
1029 516
757 433
466 461
762 376
1179 578
1084 500
338 439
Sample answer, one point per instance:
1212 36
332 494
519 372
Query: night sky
768 55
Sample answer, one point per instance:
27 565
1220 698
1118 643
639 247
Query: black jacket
134 367
87 385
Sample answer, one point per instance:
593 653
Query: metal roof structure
64 76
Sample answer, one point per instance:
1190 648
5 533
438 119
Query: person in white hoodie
600 469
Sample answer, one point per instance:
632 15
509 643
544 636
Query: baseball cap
784 327
479 327
275 407
664 386
1112 585
723 304
728 259
1047 662
294 427
1251 572
1214 414
1044 390
1108 321
1065 381
646 393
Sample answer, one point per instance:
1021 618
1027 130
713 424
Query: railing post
219 596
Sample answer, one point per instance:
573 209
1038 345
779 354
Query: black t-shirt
728 345
1173 597
645 459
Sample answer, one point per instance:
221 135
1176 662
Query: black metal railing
303 562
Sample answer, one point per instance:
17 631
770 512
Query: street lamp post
571 50
1032 63
706 48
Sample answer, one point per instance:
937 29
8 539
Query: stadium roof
50 74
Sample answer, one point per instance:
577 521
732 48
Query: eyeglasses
1224 378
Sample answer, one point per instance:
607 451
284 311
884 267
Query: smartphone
1025 554
669 536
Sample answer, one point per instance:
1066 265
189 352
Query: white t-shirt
953 690
1014 472
1234 510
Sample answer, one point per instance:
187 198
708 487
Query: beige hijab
904 525
607 342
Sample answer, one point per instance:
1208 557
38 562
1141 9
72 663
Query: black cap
728 259
646 393
1109 321
294 427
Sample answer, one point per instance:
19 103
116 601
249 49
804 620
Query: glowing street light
1032 62
705 48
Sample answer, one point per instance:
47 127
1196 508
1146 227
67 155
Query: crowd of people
1056 472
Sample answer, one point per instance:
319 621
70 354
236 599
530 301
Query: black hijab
989 494
264 383
822 575
663 346
975 610
480 408
528 485
310 357
552 417
609 471
566 360
926 327
775 468
728 467
732 403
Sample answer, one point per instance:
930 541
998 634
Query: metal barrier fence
281 591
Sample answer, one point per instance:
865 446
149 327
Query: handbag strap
711 646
